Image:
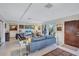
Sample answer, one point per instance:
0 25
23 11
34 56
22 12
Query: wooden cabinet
72 33
7 36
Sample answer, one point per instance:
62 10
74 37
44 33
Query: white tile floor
8 47
13 45
70 49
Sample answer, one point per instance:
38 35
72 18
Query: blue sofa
42 42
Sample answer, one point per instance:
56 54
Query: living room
37 29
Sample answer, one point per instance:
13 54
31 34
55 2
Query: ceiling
37 12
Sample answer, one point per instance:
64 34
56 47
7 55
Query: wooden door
72 33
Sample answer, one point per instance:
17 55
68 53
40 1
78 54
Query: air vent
49 5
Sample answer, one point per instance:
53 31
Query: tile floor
13 45
70 49
13 48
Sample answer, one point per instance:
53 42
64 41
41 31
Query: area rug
59 52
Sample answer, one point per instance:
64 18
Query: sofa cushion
41 44
34 39
49 36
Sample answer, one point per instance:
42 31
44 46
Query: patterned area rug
58 52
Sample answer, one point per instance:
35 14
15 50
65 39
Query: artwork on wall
29 26
13 27
21 26
39 28
59 27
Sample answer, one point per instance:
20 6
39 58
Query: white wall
60 34
7 27
2 29
2 32
12 33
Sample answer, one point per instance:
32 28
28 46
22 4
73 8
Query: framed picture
13 27
21 26
59 28
29 26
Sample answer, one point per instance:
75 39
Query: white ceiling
37 13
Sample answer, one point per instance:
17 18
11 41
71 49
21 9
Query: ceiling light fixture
48 5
